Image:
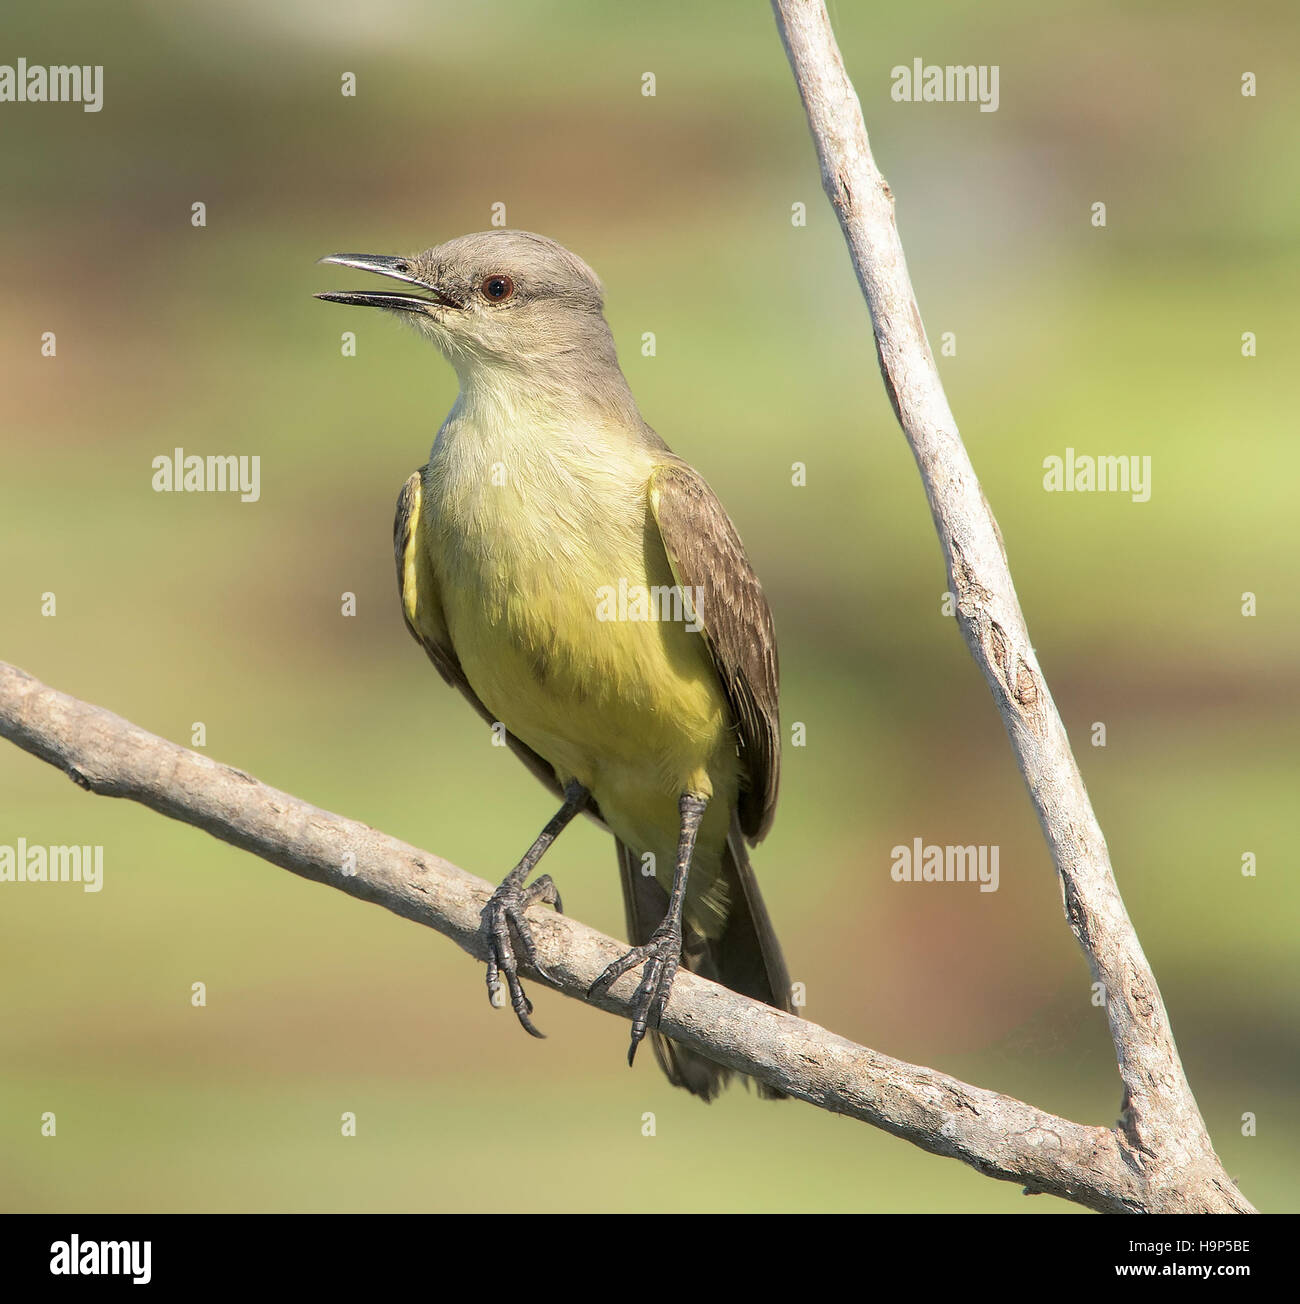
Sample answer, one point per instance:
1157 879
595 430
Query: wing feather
708 560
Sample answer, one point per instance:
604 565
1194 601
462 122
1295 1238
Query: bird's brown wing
708 561
422 609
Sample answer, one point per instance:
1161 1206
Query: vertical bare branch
1161 1125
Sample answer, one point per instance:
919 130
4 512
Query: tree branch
995 1134
1162 1132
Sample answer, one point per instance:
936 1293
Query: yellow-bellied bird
581 585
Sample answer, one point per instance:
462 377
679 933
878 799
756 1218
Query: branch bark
999 1136
1161 1131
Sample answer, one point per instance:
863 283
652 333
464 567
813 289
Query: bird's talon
503 911
661 957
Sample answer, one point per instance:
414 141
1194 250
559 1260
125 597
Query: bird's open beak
399 269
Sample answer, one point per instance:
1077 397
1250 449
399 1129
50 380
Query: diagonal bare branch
995 1134
1162 1131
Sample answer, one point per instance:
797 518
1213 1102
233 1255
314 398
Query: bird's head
494 299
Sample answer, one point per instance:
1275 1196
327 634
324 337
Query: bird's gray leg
662 954
507 904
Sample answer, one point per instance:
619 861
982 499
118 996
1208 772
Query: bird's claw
504 910
661 955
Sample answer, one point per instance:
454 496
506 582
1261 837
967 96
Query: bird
584 589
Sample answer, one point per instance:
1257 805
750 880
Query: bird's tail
745 956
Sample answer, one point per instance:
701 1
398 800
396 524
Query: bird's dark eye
498 288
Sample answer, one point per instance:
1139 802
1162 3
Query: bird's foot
661 955
504 911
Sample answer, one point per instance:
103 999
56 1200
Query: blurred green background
177 608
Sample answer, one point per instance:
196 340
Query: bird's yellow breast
541 559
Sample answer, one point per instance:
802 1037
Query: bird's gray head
495 299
